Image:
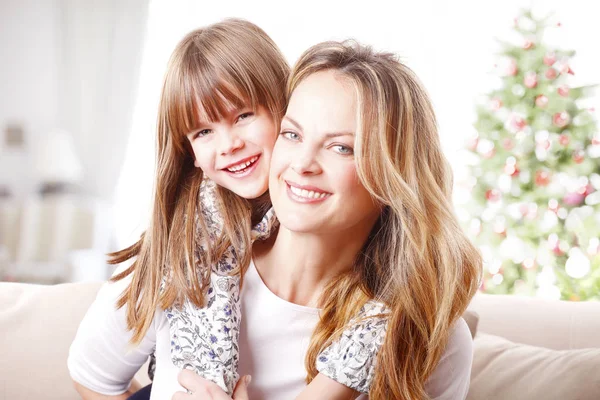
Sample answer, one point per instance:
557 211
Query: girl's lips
246 170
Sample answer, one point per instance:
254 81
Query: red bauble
541 101
472 143
551 73
589 189
566 70
578 156
530 80
563 91
511 169
512 68
564 139
492 194
528 45
550 59
561 119
496 104
518 123
542 178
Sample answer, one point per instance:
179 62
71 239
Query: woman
363 195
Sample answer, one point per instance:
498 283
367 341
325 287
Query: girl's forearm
88 394
325 388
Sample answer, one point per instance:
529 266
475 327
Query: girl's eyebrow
327 135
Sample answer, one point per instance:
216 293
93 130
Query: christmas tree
535 208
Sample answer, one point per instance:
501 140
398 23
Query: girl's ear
196 163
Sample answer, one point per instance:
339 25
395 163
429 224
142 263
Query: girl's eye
203 133
343 150
244 116
290 135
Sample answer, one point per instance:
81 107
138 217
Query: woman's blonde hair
230 64
417 259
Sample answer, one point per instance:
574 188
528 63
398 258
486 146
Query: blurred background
517 111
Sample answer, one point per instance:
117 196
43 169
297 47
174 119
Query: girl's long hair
417 260
229 64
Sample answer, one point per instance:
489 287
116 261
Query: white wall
450 44
29 44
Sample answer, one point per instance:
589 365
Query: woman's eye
203 133
290 135
344 150
244 116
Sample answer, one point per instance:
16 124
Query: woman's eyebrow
336 134
294 122
327 135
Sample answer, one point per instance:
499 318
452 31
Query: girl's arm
101 361
325 388
87 394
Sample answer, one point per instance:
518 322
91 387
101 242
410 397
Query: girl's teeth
241 166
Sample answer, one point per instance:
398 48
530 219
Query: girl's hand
203 389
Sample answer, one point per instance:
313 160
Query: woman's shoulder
450 380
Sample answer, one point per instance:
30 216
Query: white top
274 338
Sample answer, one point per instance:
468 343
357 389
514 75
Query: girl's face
313 181
235 152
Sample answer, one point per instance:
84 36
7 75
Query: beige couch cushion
506 370
37 325
472 320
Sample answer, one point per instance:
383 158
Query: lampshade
55 159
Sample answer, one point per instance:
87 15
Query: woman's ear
196 163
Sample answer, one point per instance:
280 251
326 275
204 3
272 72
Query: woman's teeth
241 166
309 194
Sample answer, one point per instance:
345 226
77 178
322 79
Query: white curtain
101 48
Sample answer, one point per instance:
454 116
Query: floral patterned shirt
206 340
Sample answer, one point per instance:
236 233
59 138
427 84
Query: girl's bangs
205 96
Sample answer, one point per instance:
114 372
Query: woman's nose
230 142
305 163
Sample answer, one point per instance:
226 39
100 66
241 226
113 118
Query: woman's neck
298 266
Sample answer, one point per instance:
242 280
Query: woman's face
235 151
313 181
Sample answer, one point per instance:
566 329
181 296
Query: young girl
222 102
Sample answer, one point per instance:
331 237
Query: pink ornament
556 250
496 104
508 143
492 195
551 73
578 156
564 139
518 123
596 140
511 169
530 80
541 101
573 199
512 69
542 178
489 154
472 143
544 144
528 263
528 45
589 189
550 59
561 119
563 91
566 70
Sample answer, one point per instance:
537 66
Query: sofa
525 348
